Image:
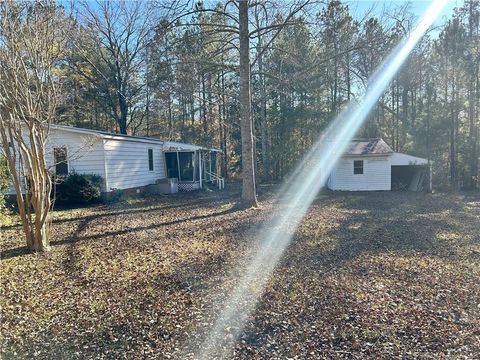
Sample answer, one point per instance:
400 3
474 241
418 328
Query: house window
150 159
60 158
358 167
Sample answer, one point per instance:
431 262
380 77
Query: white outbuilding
370 165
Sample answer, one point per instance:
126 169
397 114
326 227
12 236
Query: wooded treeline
150 69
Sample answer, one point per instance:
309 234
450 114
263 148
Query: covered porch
410 173
193 166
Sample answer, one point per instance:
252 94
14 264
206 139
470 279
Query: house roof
177 146
374 146
114 136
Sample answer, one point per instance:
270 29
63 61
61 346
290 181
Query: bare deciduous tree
32 36
119 37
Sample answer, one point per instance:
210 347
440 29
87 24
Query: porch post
194 164
200 166
210 165
430 183
178 168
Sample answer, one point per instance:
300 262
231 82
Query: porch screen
209 162
197 168
172 164
206 167
213 162
185 164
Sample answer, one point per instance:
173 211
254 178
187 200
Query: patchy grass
377 275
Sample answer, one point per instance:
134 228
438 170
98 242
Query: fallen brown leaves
378 275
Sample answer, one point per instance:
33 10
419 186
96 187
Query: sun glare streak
298 193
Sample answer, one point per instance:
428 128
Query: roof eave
103 135
370 154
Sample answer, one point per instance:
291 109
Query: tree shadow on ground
372 226
177 304
155 318
341 229
86 220
143 205
129 230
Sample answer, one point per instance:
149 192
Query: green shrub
4 184
79 189
116 195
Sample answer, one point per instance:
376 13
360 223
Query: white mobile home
129 162
370 164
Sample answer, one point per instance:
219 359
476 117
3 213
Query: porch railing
214 178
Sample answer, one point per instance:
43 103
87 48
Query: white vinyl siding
127 165
84 152
123 162
376 174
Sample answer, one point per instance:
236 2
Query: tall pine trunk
249 196
452 134
263 112
223 129
472 114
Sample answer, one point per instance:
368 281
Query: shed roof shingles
368 147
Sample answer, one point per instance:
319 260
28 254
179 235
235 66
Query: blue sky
358 8
417 7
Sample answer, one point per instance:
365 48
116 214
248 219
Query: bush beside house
79 189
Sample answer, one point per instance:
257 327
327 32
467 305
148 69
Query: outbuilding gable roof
374 146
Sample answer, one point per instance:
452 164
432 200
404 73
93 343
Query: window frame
358 169
151 162
56 151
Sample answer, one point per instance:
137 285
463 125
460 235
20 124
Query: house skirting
188 186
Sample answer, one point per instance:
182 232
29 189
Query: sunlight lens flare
298 193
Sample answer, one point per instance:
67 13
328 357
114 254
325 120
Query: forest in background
171 71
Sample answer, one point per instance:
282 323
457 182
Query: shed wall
376 174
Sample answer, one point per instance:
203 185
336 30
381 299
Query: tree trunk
170 117
249 196
263 113
392 129
429 150
204 107
472 136
473 131
453 164
223 130
397 116
122 123
476 134
335 82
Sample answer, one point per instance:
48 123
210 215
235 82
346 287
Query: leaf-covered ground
374 275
